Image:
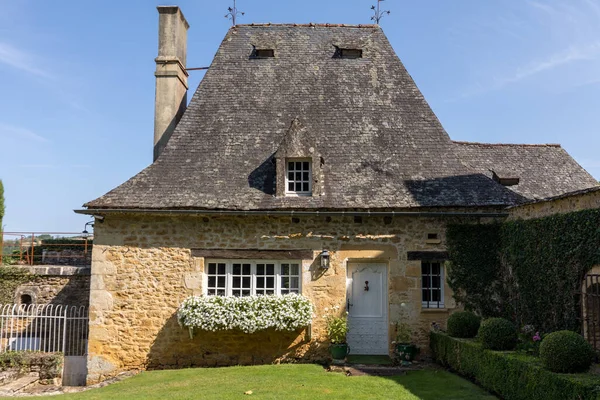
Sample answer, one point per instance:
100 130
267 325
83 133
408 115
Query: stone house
301 141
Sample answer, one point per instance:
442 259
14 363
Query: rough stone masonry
144 267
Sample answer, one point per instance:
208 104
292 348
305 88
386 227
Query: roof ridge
509 144
310 24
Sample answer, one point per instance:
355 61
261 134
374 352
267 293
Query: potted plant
405 350
337 327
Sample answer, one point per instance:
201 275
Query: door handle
348 305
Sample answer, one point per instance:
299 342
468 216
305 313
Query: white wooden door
367 308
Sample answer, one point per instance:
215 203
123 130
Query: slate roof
380 143
544 171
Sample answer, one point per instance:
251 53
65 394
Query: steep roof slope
380 143
543 170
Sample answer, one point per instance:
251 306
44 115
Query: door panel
367 314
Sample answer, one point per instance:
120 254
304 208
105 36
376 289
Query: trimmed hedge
497 334
512 376
463 324
566 351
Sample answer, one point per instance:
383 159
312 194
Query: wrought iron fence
590 303
47 328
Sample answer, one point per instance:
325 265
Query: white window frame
229 274
433 304
287 181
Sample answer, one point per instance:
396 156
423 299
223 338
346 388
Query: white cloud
561 34
572 54
21 60
20 133
544 7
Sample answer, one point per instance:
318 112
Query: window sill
295 194
435 310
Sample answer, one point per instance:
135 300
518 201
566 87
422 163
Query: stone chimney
171 76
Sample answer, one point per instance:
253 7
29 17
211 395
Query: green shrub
512 376
566 351
497 334
463 324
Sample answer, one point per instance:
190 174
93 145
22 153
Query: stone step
19 384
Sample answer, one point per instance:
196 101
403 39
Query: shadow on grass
435 384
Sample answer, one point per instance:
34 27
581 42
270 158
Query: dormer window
262 53
505 178
347 53
351 53
298 180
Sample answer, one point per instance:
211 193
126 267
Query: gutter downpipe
104 211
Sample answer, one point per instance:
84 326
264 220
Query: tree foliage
2 209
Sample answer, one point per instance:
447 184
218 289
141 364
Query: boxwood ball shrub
566 351
463 324
497 334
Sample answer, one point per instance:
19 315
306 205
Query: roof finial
378 13
233 13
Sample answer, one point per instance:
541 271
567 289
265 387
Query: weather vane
378 13
233 13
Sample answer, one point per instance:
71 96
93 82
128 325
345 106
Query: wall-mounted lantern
325 259
85 232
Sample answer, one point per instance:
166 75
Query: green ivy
10 279
511 375
474 274
527 270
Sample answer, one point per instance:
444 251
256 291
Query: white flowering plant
247 314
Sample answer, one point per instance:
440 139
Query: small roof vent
505 178
262 53
347 53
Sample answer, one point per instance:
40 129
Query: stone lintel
427 255
251 254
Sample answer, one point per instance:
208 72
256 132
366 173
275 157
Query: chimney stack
171 76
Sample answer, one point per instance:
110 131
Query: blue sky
76 115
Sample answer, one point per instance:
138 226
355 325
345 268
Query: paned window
217 279
432 278
241 279
298 178
265 278
290 278
252 277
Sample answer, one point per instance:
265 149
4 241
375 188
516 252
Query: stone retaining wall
56 285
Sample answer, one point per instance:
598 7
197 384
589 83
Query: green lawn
285 382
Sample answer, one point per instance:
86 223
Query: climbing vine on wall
474 273
528 270
10 279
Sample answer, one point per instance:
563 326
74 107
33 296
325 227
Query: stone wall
143 268
56 285
583 200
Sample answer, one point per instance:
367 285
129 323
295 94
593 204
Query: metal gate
590 309
48 328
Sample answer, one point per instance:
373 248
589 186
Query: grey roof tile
544 170
382 145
